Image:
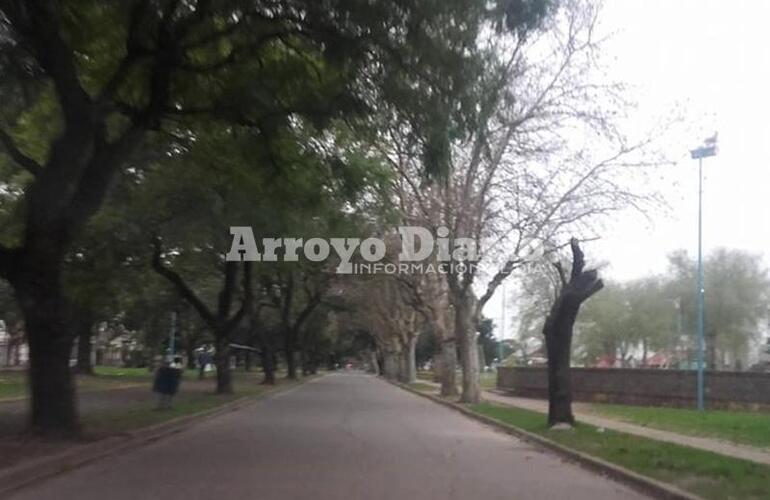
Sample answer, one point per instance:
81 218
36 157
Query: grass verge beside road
487 380
118 413
751 428
145 413
740 427
703 473
13 383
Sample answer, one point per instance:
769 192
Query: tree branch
133 51
562 275
231 323
578 258
228 290
181 287
17 156
39 24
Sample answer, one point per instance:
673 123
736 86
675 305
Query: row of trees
520 182
134 134
113 101
632 320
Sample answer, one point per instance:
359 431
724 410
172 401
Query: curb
637 481
19 476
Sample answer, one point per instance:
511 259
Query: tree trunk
413 359
190 352
403 364
291 362
291 365
558 329
558 346
84 366
247 361
304 360
391 365
408 362
375 364
52 388
222 361
469 353
53 408
449 368
268 367
448 358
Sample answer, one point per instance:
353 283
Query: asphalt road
343 436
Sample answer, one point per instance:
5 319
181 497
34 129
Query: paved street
343 436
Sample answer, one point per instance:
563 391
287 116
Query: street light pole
700 291
502 334
709 148
171 335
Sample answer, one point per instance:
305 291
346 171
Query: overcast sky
711 58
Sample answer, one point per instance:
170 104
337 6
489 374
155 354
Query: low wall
645 387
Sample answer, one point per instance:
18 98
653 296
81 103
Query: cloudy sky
711 59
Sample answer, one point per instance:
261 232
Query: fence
645 386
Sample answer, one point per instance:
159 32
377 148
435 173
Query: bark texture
85 331
50 333
410 363
465 326
558 328
266 358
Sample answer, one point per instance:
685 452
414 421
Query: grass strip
742 427
703 473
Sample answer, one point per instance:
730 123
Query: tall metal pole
171 335
502 333
700 290
709 148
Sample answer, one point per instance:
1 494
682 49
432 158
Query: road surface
343 436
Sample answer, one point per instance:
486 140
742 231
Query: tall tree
736 294
518 180
96 80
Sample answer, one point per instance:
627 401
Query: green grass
146 413
419 386
707 474
744 427
123 373
12 384
488 380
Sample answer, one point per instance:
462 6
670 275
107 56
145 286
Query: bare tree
581 285
523 178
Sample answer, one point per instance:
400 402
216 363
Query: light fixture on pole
708 148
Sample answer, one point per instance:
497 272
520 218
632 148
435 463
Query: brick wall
645 387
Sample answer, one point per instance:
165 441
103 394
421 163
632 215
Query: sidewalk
750 453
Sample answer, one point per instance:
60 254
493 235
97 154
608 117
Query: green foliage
737 292
633 319
487 341
624 316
